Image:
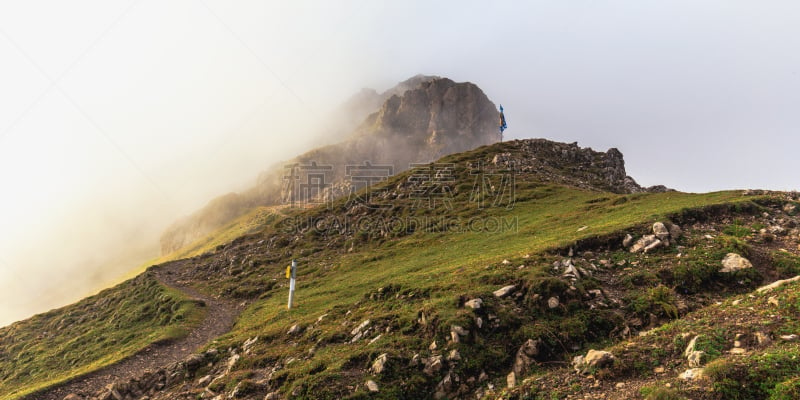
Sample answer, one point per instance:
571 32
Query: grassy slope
439 268
55 346
432 270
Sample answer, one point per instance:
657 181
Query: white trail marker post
290 273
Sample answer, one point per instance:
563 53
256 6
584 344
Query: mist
119 117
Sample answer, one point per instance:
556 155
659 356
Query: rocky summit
417 121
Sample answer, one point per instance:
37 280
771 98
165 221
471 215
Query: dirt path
220 317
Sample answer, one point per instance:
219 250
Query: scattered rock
511 380
380 364
72 396
691 346
734 262
506 262
454 355
777 284
296 329
526 356
790 338
660 231
505 291
553 302
762 339
273 396
432 346
696 358
204 381
627 241
433 365
249 343
474 303
773 301
645 242
675 231
592 359
692 374
372 386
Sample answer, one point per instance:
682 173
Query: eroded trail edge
220 317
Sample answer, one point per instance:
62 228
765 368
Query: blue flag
503 124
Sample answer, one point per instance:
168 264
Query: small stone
454 355
583 228
432 346
511 380
645 242
627 241
372 386
506 262
598 358
660 231
479 322
675 231
790 338
696 358
474 303
505 291
692 374
380 364
763 339
736 302
204 381
294 330
553 302
772 300
433 365
734 262
658 370
360 327
736 351
273 395
620 385
72 396
691 346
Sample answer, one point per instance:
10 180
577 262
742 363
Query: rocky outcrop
418 121
568 164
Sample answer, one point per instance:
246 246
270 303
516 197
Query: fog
118 117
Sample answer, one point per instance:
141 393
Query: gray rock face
420 121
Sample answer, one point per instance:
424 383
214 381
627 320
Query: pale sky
117 117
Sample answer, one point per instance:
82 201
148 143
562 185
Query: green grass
440 268
55 346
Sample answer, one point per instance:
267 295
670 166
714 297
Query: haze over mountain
418 121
